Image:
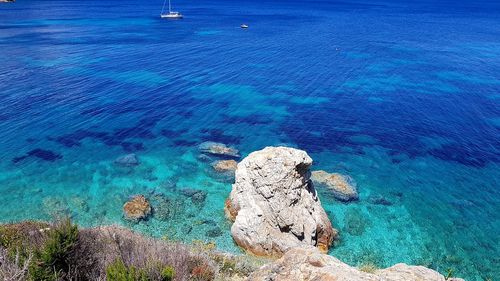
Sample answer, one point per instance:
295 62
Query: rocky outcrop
340 186
218 149
224 166
274 205
309 264
128 160
137 208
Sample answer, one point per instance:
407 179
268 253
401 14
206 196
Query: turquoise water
402 97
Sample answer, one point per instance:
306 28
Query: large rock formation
309 264
340 186
274 205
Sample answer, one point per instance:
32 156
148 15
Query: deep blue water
403 97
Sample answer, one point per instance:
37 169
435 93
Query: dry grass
13 268
99 247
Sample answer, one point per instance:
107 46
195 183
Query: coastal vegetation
62 251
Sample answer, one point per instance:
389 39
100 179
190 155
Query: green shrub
51 260
118 271
167 273
449 274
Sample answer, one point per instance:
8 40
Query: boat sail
171 14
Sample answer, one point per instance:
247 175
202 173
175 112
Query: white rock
309 264
274 205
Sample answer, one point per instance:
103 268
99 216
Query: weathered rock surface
274 205
219 149
137 208
341 187
225 166
128 160
309 264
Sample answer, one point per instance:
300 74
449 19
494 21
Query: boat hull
172 17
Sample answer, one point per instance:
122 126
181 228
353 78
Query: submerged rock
204 158
168 208
186 229
168 184
341 187
223 170
219 149
197 196
379 200
274 205
80 203
214 232
42 154
208 222
137 208
163 208
310 264
355 222
55 207
224 166
128 160
189 192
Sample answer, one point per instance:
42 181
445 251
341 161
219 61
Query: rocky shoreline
95 251
276 216
277 213
310 264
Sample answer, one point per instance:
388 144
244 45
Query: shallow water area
402 97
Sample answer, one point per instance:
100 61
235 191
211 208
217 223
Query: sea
401 96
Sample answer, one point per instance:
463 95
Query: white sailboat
171 14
